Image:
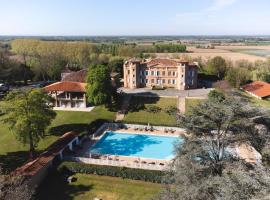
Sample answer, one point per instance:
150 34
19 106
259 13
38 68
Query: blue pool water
136 145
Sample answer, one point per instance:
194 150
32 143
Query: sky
134 17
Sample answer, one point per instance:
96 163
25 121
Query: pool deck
243 151
82 155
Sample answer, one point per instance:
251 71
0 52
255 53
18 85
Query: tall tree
202 169
99 86
28 113
217 66
192 179
221 123
238 76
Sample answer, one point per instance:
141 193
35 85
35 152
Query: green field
91 186
141 116
190 103
13 153
255 52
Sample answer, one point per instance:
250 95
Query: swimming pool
136 145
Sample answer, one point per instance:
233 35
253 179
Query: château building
166 73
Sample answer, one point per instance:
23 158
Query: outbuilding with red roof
258 89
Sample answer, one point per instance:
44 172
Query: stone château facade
160 72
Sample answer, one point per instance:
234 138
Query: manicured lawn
190 103
91 186
141 116
13 153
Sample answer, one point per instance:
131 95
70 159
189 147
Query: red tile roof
165 62
258 88
33 167
66 86
79 76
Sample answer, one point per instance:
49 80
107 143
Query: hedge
123 172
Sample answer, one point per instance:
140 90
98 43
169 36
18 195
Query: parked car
4 88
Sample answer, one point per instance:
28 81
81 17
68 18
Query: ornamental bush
152 109
102 170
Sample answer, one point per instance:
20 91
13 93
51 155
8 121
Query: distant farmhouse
160 73
258 89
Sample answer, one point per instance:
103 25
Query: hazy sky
134 17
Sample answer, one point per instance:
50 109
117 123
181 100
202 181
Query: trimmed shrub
152 109
123 172
171 110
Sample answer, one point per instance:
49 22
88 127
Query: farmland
233 53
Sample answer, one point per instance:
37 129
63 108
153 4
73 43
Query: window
133 75
146 73
146 81
173 73
182 75
169 73
128 71
134 70
152 73
173 81
158 73
163 73
169 81
133 82
190 73
163 81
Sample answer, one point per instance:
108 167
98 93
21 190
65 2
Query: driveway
167 92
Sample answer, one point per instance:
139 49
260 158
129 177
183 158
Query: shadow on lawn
80 128
137 103
10 161
55 187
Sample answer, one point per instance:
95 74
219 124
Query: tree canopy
217 66
204 168
99 86
221 121
28 113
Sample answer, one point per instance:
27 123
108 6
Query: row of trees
237 73
46 59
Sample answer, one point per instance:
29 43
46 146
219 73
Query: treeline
237 73
44 60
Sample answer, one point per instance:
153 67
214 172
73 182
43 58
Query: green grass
13 153
254 100
190 103
141 116
91 186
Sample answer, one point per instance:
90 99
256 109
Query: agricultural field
233 53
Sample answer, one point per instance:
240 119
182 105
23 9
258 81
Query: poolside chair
161 164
